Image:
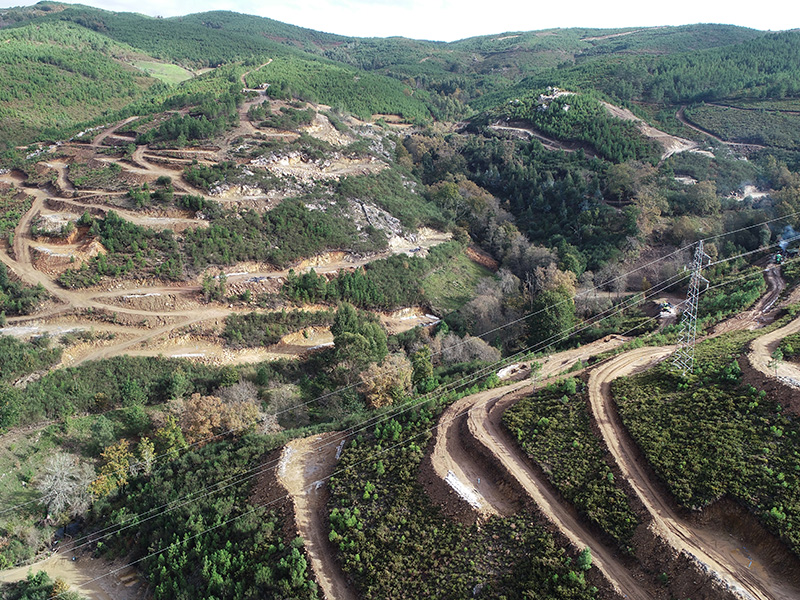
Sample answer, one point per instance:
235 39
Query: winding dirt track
485 422
760 355
670 143
68 304
758 315
721 553
305 465
711 547
548 143
483 414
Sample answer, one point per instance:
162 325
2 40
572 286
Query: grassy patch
22 455
790 347
168 73
262 329
452 285
102 177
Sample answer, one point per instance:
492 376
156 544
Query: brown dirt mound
53 262
321 260
309 337
405 319
477 255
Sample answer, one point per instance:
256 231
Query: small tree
422 376
114 473
169 438
386 383
553 315
584 562
145 457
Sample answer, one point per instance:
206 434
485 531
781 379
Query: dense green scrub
37 586
210 118
790 346
737 292
221 544
339 86
709 435
98 385
393 191
287 233
17 298
104 177
131 248
553 428
20 358
766 66
748 126
13 204
264 329
395 543
58 75
208 176
582 117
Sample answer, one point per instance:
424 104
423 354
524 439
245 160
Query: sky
449 20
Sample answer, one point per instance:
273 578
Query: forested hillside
291 314
765 67
58 75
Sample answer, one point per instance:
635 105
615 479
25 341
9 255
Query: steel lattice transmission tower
683 358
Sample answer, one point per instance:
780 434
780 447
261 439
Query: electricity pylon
683 358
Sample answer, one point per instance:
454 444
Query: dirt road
82 575
548 143
742 571
483 414
154 319
670 143
760 355
758 316
98 139
305 464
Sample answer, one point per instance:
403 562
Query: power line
222 434
374 421
339 471
339 390
239 478
283 497
683 358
